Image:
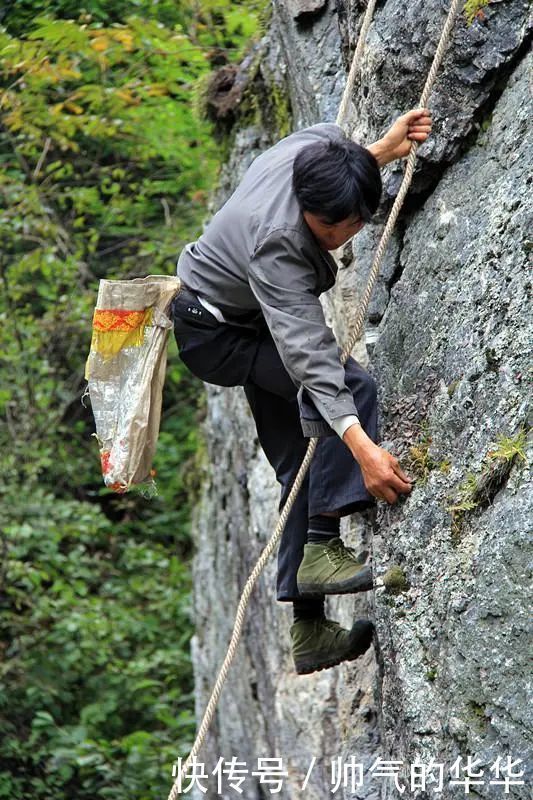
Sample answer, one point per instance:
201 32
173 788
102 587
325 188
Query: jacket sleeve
284 282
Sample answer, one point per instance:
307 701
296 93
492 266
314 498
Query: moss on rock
395 580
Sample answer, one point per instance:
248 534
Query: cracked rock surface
447 343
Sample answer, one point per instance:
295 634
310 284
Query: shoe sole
305 666
361 582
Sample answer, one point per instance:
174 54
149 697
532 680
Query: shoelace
340 551
332 624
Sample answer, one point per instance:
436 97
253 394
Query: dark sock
308 608
322 528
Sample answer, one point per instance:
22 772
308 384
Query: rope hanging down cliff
355 331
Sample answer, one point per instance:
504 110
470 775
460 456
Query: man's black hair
336 180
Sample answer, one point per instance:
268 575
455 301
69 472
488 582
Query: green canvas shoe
332 568
321 643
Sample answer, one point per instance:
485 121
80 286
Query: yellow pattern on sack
115 329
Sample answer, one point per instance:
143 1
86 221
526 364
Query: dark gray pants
233 355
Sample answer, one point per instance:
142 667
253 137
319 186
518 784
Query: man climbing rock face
249 315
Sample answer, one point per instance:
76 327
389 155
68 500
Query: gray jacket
258 253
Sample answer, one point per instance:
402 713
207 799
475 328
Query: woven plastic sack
125 372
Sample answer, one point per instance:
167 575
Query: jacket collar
324 255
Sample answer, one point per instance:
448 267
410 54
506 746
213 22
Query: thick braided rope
357 326
354 334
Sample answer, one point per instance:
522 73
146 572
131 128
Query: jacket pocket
187 310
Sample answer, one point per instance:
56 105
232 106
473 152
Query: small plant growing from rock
474 10
453 386
467 500
477 714
478 491
421 463
510 447
395 581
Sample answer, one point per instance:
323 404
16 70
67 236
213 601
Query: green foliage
473 9
97 673
211 24
104 172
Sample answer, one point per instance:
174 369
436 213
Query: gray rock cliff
447 343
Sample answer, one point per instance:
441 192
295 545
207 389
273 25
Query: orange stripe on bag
117 319
115 329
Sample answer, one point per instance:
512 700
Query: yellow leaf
67 72
125 38
74 107
13 120
100 44
156 90
6 99
127 96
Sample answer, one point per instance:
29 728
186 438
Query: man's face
331 235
